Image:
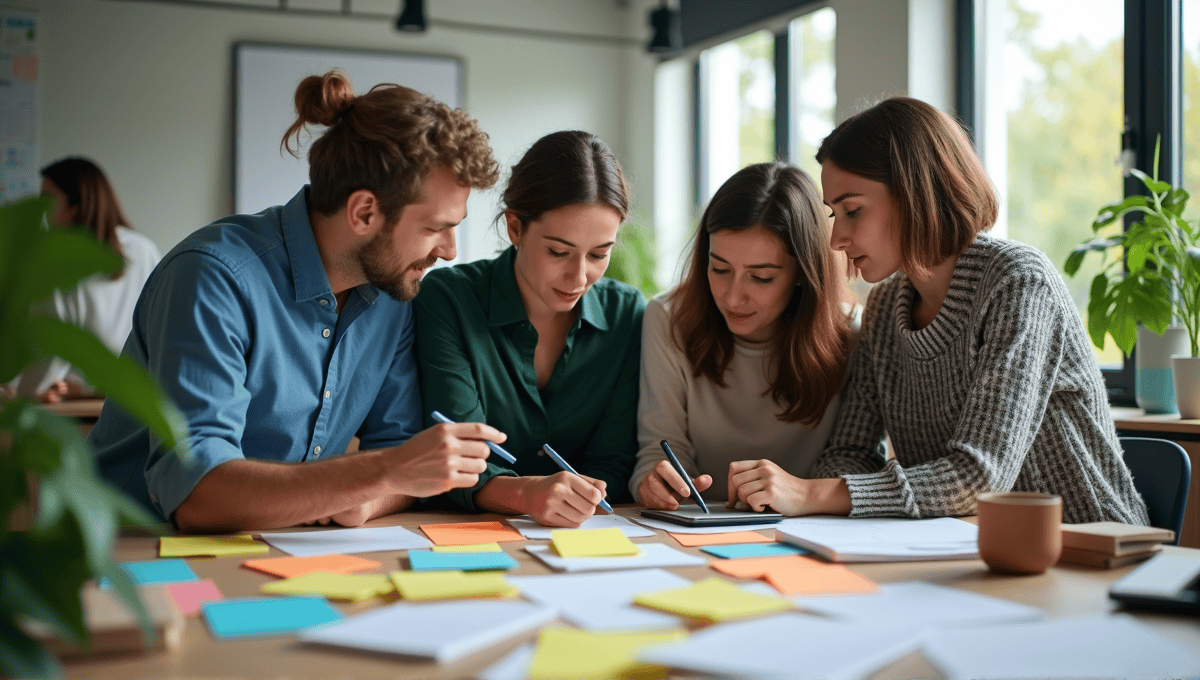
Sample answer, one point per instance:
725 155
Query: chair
1161 474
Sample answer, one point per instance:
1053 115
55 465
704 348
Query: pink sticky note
188 596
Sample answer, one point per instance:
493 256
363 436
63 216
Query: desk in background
1134 422
1061 592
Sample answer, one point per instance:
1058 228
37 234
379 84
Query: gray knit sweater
1001 392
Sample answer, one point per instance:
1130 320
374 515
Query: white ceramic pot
1187 385
1154 384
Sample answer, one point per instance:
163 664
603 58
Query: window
810 93
1191 106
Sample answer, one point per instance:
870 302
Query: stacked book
1111 544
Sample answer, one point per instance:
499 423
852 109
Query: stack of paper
797 575
591 543
583 655
216 546
443 631
1092 647
603 601
330 541
351 587
442 585
919 604
712 599
287 567
421 560
113 626
1111 544
465 533
532 530
652 555
842 539
793 646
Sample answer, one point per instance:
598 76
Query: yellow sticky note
591 543
583 655
353 587
469 547
713 599
440 585
190 546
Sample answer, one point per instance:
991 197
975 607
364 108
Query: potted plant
1151 276
76 514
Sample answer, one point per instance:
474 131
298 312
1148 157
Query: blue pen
683 473
567 466
491 445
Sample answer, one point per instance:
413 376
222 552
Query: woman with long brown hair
743 361
83 197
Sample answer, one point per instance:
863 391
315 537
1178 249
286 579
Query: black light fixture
412 17
667 36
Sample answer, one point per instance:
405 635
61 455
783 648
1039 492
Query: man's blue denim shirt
239 325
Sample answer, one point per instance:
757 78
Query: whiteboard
265 80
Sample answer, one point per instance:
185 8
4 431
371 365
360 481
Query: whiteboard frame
248 166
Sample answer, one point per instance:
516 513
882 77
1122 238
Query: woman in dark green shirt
537 344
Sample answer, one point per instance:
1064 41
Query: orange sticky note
693 540
464 533
290 567
188 596
797 575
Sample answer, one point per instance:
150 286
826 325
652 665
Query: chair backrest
1161 474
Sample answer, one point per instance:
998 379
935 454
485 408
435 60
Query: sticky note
713 599
189 596
739 550
155 572
352 587
467 547
463 533
695 540
583 655
287 567
267 616
797 575
216 546
440 585
424 559
591 543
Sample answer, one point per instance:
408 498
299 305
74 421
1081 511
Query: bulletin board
265 80
20 42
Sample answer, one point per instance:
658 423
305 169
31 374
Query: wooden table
1062 592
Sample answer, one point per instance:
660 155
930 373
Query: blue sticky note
258 616
155 571
427 559
729 552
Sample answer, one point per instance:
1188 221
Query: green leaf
1115 211
60 259
1135 256
1176 201
1194 253
1097 311
119 378
21 656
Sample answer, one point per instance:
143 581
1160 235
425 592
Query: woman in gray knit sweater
972 356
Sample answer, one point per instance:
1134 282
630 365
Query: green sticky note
713 599
353 587
592 543
585 655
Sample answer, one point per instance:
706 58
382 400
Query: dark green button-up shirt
475 348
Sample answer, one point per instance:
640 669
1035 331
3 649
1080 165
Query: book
1093 558
1114 538
114 627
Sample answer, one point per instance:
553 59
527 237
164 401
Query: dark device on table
695 517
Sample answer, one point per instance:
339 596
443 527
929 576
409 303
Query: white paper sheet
795 646
603 601
916 603
443 631
1091 647
330 541
842 539
515 666
534 531
652 555
680 529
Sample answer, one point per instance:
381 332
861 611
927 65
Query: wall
145 89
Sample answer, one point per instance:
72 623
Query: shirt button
317 451
324 302
327 393
325 333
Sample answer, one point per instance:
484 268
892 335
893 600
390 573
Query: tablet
695 517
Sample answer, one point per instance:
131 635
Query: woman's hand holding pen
563 499
663 487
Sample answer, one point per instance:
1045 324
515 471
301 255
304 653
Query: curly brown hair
386 141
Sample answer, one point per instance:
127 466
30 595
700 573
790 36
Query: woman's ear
513 223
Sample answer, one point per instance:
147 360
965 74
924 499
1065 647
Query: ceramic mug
1020 532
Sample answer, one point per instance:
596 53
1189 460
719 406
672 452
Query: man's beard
380 269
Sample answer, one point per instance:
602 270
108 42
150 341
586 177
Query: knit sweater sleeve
1010 379
855 444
